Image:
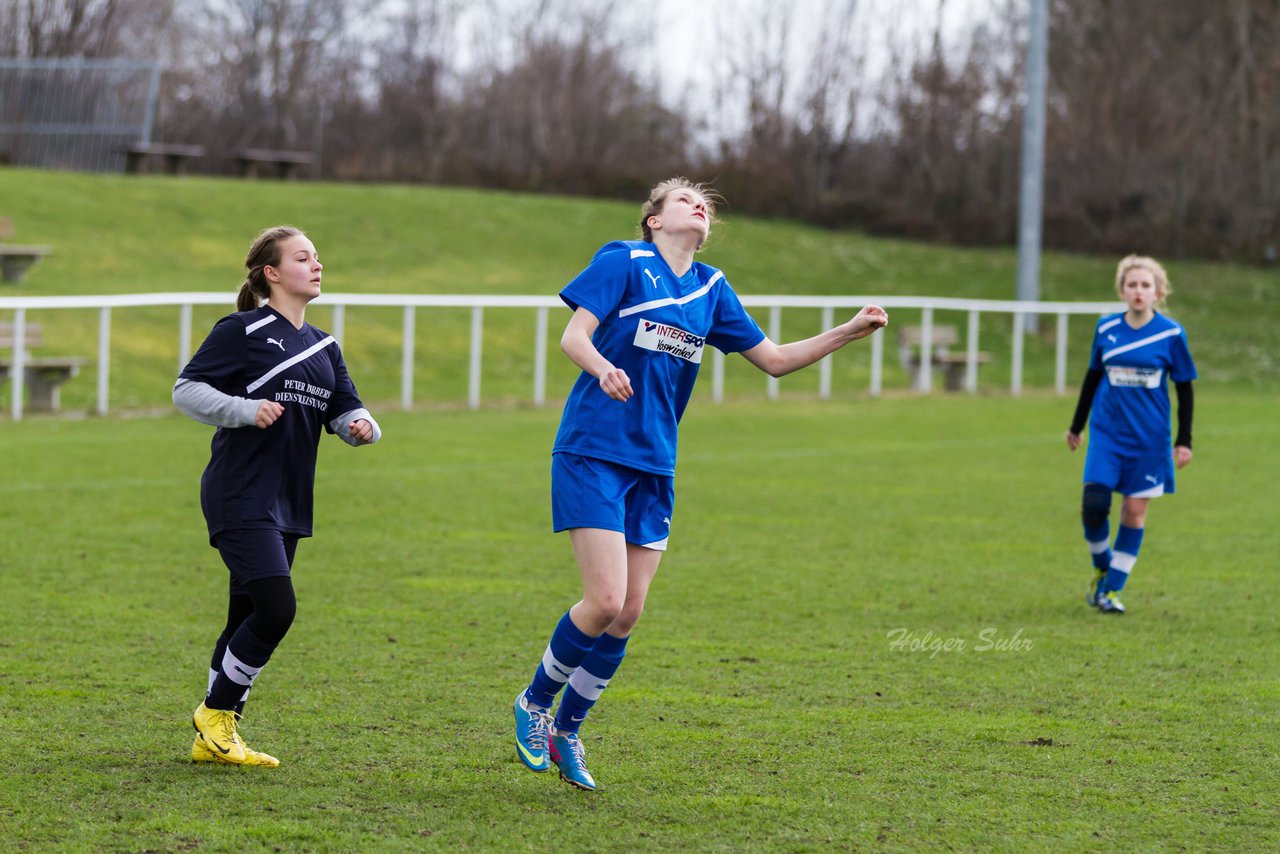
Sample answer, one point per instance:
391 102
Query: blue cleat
568 753
1095 589
1109 603
532 726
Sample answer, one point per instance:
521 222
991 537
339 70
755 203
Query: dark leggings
267 609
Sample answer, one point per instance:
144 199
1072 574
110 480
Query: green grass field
763 705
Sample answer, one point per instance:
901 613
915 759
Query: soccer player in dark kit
269 381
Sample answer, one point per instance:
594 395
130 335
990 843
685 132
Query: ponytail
265 252
251 296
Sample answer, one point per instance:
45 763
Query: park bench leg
14 267
44 387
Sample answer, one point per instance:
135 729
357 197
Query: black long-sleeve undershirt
1186 407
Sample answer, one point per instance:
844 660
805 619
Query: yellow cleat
200 752
217 728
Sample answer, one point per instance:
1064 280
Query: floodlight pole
1031 200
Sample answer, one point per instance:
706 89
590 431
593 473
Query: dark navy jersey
265 478
1131 407
654 325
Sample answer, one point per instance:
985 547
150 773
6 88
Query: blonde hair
265 252
658 198
1152 266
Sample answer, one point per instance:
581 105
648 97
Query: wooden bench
280 164
173 156
42 377
16 260
943 338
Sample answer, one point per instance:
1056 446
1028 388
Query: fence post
971 354
717 376
775 333
473 372
877 363
184 335
924 377
1019 327
1060 355
540 357
406 361
339 330
19 362
824 367
104 357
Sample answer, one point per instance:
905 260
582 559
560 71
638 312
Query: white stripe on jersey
1151 339
1109 324
659 303
261 323
641 253
288 363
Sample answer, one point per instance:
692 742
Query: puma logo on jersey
279 344
1153 479
652 277
1111 338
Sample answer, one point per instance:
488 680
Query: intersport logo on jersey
662 338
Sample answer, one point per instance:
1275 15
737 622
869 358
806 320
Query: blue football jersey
1131 407
265 478
654 325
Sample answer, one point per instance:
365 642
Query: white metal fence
541 305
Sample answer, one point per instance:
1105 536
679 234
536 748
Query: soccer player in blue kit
643 313
269 381
1135 355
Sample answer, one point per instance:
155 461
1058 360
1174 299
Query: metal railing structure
541 305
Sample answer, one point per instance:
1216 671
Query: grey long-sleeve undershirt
206 404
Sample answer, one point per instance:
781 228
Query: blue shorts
1135 477
253 554
591 493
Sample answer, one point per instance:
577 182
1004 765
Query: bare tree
87 29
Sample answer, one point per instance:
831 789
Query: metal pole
1031 200
153 95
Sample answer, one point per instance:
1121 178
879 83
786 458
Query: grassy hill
115 234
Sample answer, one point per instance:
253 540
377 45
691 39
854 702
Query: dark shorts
591 493
252 555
